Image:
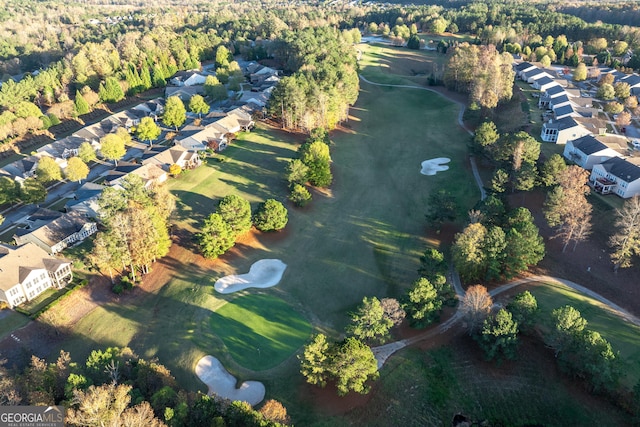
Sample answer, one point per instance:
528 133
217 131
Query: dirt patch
327 402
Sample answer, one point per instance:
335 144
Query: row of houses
62 149
574 123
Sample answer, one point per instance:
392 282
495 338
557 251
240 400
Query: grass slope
623 336
260 331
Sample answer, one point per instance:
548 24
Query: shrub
271 216
299 195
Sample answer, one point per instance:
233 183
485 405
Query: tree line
115 386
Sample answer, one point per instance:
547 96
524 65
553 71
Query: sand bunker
262 274
433 166
215 376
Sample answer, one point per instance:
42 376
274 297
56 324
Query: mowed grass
399 65
10 321
260 331
623 336
364 237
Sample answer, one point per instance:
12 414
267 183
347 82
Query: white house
522 68
57 234
616 176
587 151
543 83
563 130
550 93
187 78
535 74
26 271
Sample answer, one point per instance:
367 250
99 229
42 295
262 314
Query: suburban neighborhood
268 214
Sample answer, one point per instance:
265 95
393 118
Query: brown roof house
164 157
58 233
27 270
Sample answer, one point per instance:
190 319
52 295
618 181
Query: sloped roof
622 169
559 100
563 110
58 229
632 79
554 90
523 66
16 262
561 124
544 80
589 145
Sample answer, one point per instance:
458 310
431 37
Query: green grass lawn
362 238
260 331
623 336
10 321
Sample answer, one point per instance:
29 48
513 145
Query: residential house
85 200
617 176
153 108
183 92
27 270
544 83
164 157
187 78
587 151
262 73
558 101
563 130
209 137
563 111
522 68
151 174
550 93
634 81
22 169
535 74
57 234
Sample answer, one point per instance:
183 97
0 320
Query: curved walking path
383 352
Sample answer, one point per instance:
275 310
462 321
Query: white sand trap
433 166
262 274
215 376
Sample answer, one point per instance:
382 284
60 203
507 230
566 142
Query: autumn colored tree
86 152
112 147
198 105
148 130
76 169
623 119
48 170
567 208
476 306
175 169
626 241
174 112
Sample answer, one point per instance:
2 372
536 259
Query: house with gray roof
27 270
563 130
588 151
85 200
563 111
57 234
616 176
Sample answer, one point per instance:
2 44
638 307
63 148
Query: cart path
472 161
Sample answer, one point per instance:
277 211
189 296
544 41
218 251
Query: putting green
260 331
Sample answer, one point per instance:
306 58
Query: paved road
383 352
64 189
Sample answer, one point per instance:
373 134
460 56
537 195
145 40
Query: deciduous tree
32 191
76 169
626 241
86 152
476 306
148 130
174 112
48 170
112 147
198 105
